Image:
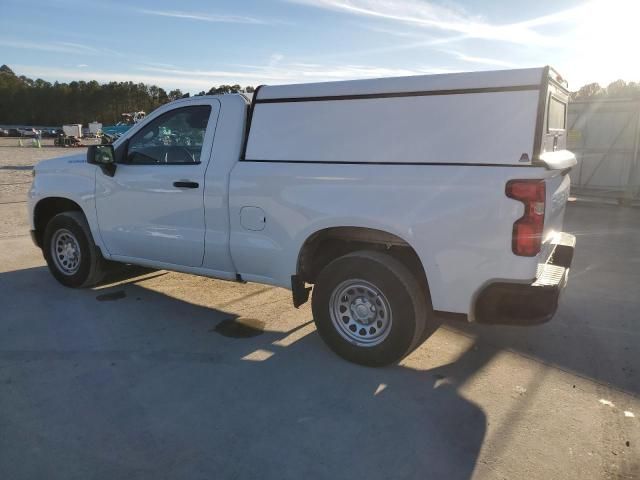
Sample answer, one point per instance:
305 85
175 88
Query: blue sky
193 45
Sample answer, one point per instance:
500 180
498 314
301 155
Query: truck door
153 207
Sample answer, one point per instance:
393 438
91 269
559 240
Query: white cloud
429 15
54 47
275 59
423 39
494 62
195 80
219 76
69 74
202 17
159 64
292 73
58 47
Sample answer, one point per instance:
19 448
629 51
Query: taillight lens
527 230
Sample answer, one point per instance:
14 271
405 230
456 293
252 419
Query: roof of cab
528 77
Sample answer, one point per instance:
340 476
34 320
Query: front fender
69 180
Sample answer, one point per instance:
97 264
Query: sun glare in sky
605 43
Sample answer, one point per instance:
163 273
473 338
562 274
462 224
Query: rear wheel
70 252
369 308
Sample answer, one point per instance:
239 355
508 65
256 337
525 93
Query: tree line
617 89
24 101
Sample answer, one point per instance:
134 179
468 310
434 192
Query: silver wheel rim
360 313
65 251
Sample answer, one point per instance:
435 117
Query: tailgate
557 195
553 156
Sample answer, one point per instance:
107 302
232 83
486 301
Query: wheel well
326 245
46 209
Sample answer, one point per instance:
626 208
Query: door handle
183 184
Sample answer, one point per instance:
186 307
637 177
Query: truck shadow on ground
129 382
144 385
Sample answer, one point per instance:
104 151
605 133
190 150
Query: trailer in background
94 129
73 130
70 136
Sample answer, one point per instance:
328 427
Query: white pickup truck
398 199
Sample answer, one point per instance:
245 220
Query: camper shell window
556 114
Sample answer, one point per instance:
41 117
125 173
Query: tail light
527 230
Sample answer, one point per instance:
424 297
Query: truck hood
61 164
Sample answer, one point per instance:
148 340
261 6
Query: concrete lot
154 376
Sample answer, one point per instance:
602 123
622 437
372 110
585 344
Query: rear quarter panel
457 218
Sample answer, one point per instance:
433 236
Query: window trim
125 157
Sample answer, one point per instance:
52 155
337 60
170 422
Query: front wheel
71 254
369 308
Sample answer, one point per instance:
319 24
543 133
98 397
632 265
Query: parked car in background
4 132
28 132
49 132
13 132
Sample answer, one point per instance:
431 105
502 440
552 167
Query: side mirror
104 156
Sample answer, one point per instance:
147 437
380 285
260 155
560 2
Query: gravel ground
165 375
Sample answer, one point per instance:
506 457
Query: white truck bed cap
527 77
478 118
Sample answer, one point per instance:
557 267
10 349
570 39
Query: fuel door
252 218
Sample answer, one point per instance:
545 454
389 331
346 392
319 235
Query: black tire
403 292
91 267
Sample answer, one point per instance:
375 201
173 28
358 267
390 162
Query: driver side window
174 138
